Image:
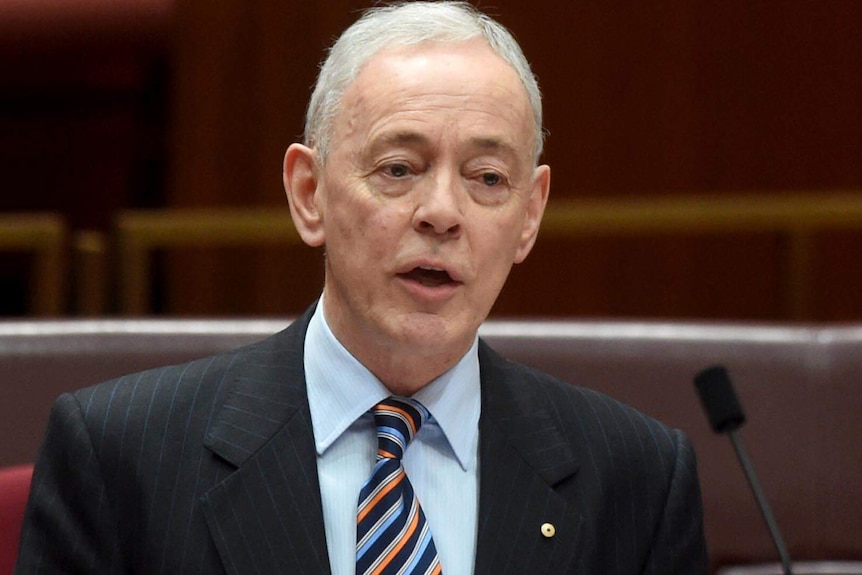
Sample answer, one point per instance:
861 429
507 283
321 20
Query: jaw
403 346
408 326
426 347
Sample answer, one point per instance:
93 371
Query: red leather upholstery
799 386
14 489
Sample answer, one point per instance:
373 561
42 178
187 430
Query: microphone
725 415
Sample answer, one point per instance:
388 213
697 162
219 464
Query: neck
404 376
404 367
405 351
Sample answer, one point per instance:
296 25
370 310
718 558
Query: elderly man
378 434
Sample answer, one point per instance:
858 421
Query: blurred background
706 156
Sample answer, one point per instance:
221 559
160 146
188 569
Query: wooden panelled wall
82 123
655 98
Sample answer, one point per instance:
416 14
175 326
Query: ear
536 203
300 174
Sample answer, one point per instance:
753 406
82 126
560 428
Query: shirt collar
341 390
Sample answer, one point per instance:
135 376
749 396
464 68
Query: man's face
427 198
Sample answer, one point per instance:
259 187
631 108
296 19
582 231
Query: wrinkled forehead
438 76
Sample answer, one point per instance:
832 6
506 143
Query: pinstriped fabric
210 467
114 473
126 465
620 488
392 534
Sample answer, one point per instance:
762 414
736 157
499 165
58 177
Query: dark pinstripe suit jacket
209 467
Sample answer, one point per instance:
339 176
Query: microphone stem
748 468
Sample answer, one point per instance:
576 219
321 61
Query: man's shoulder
187 385
573 404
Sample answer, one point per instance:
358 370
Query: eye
491 179
396 170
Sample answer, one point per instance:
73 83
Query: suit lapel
523 457
266 517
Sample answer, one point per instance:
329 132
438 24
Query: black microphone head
719 400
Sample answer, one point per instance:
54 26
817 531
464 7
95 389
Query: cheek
499 244
384 220
368 231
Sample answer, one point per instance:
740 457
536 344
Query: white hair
407 24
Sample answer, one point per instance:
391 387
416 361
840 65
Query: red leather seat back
14 490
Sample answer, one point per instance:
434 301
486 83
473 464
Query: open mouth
429 277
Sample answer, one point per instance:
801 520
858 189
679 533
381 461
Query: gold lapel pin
548 530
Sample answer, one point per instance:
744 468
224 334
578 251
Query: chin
436 334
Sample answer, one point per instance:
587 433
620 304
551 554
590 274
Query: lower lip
430 293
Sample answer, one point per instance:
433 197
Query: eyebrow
411 138
493 144
399 139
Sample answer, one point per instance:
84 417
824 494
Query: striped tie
392 535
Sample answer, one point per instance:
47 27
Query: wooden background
196 106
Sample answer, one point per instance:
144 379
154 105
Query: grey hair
407 24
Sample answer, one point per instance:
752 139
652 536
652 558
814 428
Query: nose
438 211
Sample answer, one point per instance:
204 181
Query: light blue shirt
441 462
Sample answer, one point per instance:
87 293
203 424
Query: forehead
433 83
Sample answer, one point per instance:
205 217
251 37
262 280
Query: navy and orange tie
392 535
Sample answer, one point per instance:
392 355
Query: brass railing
795 215
44 237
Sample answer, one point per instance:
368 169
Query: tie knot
398 420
